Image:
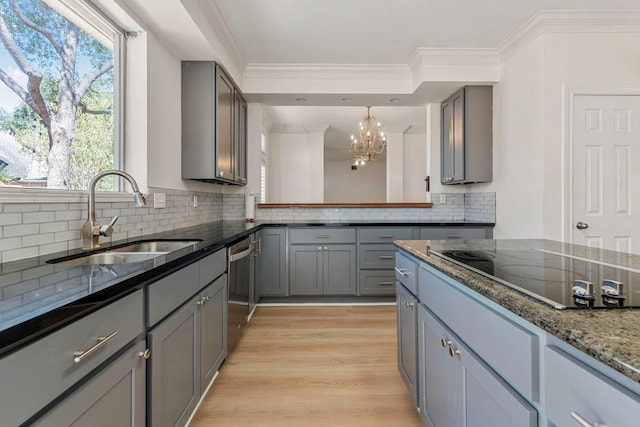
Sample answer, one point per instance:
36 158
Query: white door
606 172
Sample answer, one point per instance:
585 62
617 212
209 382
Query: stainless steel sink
127 254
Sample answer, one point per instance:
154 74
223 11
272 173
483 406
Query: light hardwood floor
312 366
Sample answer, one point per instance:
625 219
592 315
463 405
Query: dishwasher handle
242 254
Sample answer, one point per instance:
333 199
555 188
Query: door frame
569 92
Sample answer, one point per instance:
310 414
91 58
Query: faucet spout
91 229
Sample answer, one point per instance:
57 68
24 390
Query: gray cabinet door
213 327
339 270
407 318
435 387
113 397
458 389
175 362
452 138
224 126
272 263
240 138
305 269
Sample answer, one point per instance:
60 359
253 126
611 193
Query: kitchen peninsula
540 363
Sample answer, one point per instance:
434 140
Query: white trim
36 195
568 96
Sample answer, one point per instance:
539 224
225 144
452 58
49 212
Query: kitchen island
531 348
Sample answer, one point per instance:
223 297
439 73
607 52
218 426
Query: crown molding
221 29
327 71
560 21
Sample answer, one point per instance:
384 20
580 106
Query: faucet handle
107 230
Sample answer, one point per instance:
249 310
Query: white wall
518 145
414 168
343 185
295 167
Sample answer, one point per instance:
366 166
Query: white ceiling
343 33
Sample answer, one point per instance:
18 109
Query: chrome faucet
91 229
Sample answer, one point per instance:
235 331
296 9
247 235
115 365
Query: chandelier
370 141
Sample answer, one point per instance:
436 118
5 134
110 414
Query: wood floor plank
312 366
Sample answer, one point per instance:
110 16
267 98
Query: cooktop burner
559 280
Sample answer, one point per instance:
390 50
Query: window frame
91 14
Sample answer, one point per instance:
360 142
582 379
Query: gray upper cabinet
214 122
467 136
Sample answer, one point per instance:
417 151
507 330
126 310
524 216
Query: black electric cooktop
562 281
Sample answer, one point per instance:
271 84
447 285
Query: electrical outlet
195 201
443 199
159 200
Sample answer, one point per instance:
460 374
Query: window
59 94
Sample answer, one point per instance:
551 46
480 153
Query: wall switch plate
195 201
443 199
159 200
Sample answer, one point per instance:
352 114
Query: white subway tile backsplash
37 217
10 219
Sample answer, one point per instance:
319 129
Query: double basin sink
126 254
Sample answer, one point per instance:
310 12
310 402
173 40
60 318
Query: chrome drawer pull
386 236
146 354
322 236
385 283
386 256
79 356
454 236
401 271
583 422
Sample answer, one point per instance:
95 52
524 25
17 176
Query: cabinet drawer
510 349
572 386
212 267
322 235
377 256
407 272
40 372
383 234
170 292
377 282
448 233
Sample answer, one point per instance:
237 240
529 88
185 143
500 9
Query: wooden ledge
345 205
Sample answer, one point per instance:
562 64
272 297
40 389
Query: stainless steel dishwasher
240 272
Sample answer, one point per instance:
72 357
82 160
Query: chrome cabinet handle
444 342
583 422
146 354
326 248
401 271
385 283
386 236
79 356
452 352
454 236
409 305
386 256
203 300
322 236
582 225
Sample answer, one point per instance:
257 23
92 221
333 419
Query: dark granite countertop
611 336
37 297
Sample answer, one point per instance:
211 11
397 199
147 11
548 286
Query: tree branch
84 109
91 77
33 98
48 35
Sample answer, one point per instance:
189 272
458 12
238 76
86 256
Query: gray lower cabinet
407 318
271 265
576 391
113 397
213 316
458 389
322 270
174 366
187 349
